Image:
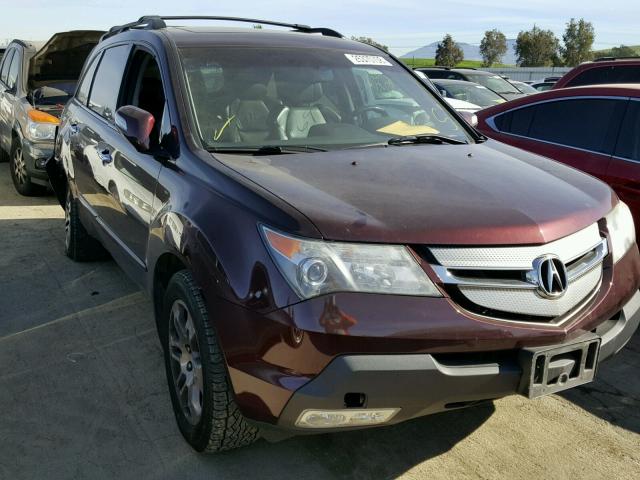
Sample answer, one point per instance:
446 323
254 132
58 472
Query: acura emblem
551 276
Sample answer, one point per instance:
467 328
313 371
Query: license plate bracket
551 369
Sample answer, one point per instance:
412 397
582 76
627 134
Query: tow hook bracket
551 369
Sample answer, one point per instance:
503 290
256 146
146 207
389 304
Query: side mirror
469 117
136 124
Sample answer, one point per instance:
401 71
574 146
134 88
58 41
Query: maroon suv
328 245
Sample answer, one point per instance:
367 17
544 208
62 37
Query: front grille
502 282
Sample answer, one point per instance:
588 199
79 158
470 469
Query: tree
622 51
578 39
493 47
536 48
448 53
370 41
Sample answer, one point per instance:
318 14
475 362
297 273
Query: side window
590 124
144 89
108 79
629 140
5 66
612 74
516 122
14 68
82 95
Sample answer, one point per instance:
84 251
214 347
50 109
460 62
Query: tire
19 175
78 244
201 393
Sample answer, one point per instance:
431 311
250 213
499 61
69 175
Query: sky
403 25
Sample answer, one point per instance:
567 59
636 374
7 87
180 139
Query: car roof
457 70
612 90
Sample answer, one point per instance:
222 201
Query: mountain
471 52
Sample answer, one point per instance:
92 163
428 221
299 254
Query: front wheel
201 393
19 175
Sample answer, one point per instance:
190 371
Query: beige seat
302 111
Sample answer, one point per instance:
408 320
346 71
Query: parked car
523 87
604 70
468 92
595 129
490 80
542 86
34 86
553 78
322 257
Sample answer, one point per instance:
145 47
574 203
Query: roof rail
608 59
155 22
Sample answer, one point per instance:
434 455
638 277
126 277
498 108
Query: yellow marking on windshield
217 134
403 128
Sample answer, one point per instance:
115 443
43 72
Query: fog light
41 163
345 418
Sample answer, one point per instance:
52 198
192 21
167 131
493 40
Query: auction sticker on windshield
367 60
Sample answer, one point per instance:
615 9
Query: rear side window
5 66
106 85
612 74
85 86
587 123
629 140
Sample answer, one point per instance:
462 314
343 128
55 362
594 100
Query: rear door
580 132
624 170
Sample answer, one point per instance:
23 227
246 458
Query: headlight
41 126
314 267
622 231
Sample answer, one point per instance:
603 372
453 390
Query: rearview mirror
136 124
469 117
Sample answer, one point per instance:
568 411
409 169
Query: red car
595 129
601 71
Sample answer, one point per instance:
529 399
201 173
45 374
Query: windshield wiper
427 138
267 149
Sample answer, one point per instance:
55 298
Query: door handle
104 154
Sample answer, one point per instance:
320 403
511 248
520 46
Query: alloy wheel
186 362
19 167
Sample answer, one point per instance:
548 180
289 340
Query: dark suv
602 71
34 86
489 80
327 244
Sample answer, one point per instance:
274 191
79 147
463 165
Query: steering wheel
359 113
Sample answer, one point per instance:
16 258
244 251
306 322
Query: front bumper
35 157
422 384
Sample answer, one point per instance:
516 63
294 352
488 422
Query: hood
461 104
478 194
62 57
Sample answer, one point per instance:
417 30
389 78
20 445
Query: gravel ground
83 393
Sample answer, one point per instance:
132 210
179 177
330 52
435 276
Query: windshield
493 82
246 97
470 92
